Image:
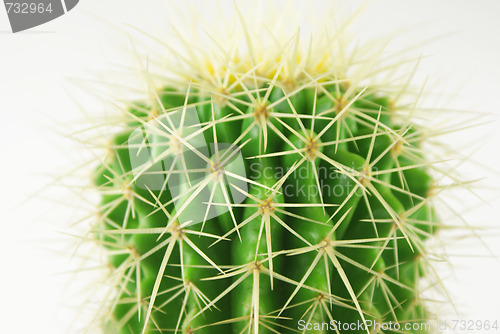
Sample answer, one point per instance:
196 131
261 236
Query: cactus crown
271 193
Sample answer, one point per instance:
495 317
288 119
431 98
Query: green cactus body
278 190
331 227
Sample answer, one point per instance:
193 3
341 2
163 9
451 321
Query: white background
37 109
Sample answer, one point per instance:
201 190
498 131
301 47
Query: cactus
274 193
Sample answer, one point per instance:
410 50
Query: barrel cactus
278 189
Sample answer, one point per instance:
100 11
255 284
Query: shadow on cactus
279 189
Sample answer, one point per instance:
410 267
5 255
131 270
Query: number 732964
26 8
